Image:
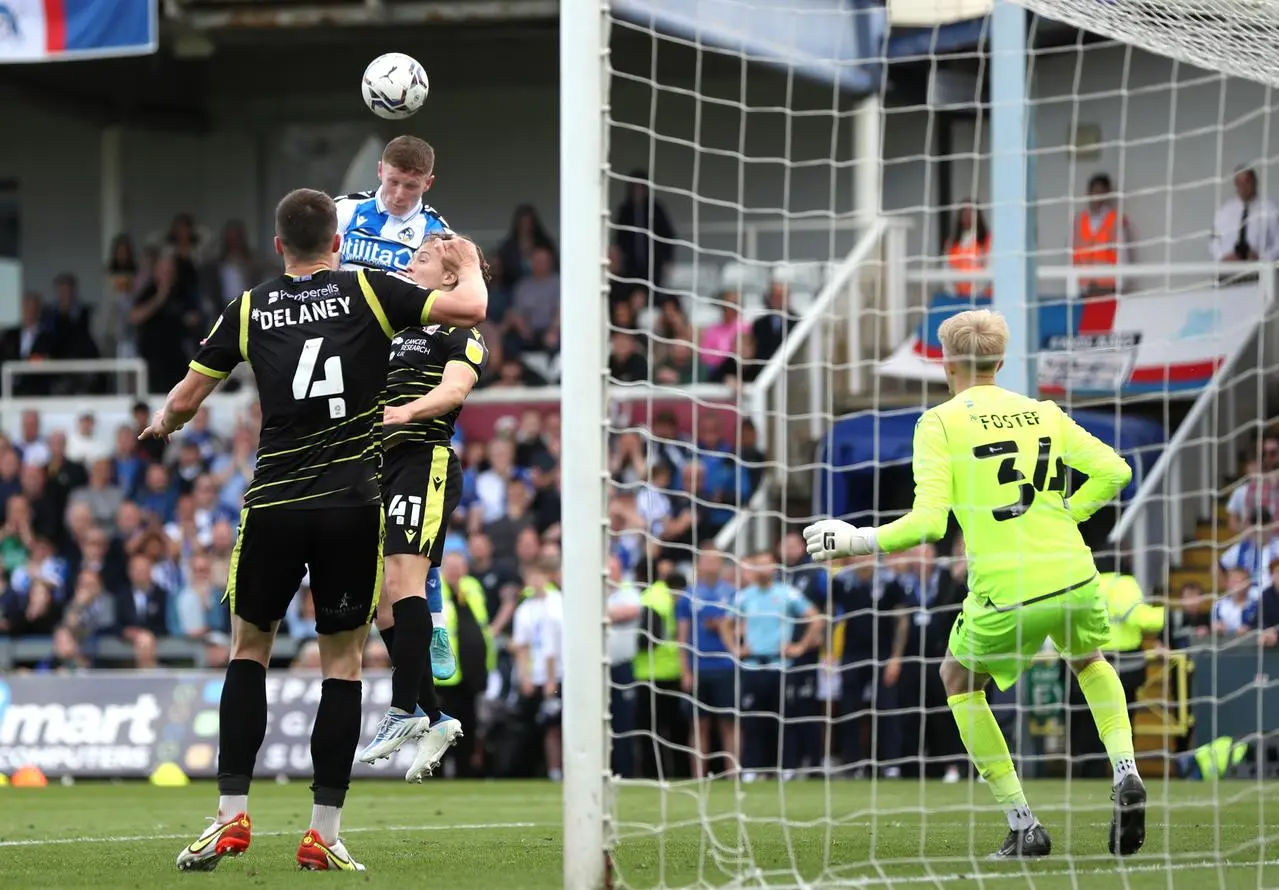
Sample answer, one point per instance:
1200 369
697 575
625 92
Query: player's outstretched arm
926 521
466 305
183 402
1107 472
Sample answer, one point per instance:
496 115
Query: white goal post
817 150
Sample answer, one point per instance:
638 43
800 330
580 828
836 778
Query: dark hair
305 223
410 154
979 223
1102 180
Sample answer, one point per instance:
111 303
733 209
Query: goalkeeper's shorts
1003 641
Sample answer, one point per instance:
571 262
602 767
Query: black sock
242 727
426 691
334 739
411 657
388 638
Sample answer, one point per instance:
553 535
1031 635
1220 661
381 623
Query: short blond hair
977 336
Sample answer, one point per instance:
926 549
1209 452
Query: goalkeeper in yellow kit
998 460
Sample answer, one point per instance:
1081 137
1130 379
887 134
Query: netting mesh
1237 37
793 213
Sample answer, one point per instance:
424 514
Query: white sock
438 620
326 822
1124 767
230 805
1021 818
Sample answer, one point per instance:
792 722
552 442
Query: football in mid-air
394 86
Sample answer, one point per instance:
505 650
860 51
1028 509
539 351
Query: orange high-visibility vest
1097 247
967 255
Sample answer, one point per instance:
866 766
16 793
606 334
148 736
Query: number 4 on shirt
1010 475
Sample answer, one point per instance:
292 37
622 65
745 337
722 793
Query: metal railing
771 384
60 367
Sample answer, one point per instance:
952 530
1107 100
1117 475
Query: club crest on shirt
406 235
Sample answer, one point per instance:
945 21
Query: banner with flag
67 30
1153 342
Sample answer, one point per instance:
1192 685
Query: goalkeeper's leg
1104 693
966 695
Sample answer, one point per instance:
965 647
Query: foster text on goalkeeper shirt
999 460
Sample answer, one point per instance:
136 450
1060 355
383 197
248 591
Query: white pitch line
125 839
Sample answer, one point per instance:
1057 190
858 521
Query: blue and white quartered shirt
374 239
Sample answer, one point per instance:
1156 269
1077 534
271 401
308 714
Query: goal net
799 193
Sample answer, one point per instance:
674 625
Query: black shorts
421 487
342 548
716 693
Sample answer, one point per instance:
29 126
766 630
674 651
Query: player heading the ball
999 460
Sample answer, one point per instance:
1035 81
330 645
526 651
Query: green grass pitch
507 836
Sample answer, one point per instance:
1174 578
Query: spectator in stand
723 480
870 602
90 550
64 475
491 486
532 438
236 269
122 283
188 467
1254 550
46 511
1246 228
31 444
233 471
499 580
666 444
221 548
628 459
200 433
150 449
678 366
546 505
127 466
750 458
1258 491
622 607
142 611
89 614
83 445
31 611
761 639
723 345
1264 614
1230 611
499 295
537 643
164 317
17 536
770 329
1192 618
10 473
68 322
504 530
643 232
30 341
803 738
158 495
707 669
198 610
626 364
184 534
968 248
533 323
1102 237
45 566
526 236
208 511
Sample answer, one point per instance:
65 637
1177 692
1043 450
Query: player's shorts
716 693
341 547
421 487
1003 641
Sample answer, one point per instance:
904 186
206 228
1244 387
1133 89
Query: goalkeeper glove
834 539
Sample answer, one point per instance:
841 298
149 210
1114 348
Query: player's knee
250 643
405 577
342 654
1079 664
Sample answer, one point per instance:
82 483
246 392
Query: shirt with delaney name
768 619
318 348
